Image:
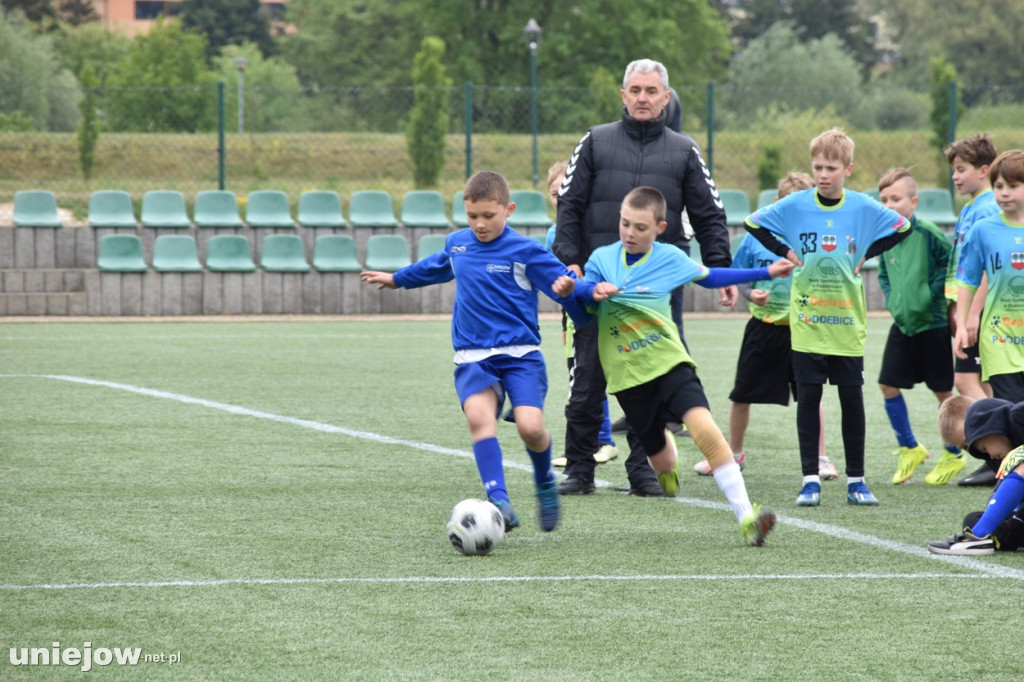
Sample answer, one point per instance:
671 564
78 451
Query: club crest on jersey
829 241
1017 260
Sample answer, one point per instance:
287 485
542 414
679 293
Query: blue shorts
525 379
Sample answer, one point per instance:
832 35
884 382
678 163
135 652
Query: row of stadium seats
280 253
270 209
934 204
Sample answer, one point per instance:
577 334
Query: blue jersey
996 248
827 310
496 287
753 254
982 206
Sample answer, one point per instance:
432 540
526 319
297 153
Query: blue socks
488 462
605 437
1005 499
543 473
896 408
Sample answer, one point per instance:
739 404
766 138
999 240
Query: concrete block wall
45 271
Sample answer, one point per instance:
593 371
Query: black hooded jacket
614 158
990 416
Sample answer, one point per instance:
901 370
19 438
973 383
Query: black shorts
650 407
921 358
764 372
838 370
969 365
1008 386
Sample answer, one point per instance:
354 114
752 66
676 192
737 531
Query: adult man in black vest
610 160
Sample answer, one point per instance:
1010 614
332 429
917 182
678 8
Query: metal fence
351 138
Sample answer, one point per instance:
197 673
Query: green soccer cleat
949 466
909 460
670 482
756 525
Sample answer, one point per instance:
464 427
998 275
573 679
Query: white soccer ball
475 527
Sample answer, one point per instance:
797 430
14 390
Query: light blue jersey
753 254
977 209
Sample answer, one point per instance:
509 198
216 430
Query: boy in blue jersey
989 429
971 160
832 230
913 278
764 370
644 361
495 334
994 251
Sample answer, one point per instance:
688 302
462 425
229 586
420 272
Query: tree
428 120
88 130
780 72
31 80
162 84
92 44
942 80
272 90
228 22
76 12
35 11
812 20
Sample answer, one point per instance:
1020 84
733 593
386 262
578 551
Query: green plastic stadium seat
229 253
268 208
36 208
320 208
164 208
531 209
695 251
387 252
111 208
120 253
429 244
283 253
459 218
371 208
936 205
734 245
423 208
872 192
736 204
336 253
176 253
216 208
765 197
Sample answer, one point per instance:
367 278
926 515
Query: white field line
968 563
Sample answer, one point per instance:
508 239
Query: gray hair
646 66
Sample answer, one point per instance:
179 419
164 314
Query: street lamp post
240 64
532 33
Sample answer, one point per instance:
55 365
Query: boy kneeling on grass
645 363
989 428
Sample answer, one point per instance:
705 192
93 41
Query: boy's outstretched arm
383 280
719 277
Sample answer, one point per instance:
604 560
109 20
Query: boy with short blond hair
496 334
832 230
645 363
912 276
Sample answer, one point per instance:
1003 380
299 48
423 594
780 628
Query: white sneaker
826 469
606 454
704 469
559 462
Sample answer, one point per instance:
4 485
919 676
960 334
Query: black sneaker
963 544
577 485
649 488
983 477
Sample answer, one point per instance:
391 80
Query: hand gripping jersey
996 248
637 340
827 310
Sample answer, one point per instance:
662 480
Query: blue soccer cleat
507 513
809 496
548 506
858 494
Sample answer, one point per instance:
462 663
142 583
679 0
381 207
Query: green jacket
912 275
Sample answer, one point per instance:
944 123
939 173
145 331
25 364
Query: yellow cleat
909 460
949 466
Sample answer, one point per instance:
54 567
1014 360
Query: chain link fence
347 139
